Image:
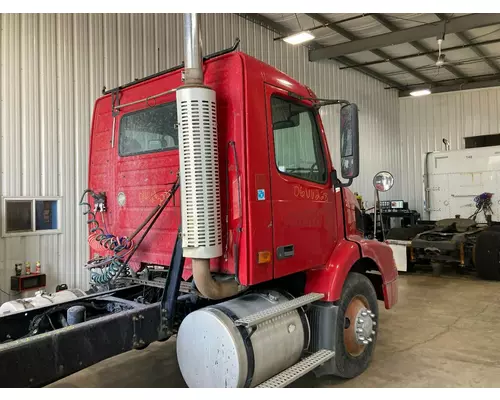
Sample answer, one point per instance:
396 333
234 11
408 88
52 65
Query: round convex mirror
383 181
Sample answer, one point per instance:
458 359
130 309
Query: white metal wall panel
52 69
425 121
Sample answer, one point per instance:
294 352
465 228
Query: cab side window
297 141
150 130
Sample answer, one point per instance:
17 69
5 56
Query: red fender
381 254
330 279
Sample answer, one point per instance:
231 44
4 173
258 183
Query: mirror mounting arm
325 102
317 102
337 183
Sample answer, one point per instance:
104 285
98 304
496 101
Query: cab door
303 203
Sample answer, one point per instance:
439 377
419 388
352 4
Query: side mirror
383 181
349 141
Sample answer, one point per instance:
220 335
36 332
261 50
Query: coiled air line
122 247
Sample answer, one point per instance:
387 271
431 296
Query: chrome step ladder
298 370
261 316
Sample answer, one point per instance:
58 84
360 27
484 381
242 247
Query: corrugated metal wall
53 67
425 121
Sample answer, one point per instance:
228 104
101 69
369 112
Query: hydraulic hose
154 217
123 247
110 266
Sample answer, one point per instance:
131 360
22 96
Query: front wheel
356 330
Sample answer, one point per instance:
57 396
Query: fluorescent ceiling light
423 92
298 38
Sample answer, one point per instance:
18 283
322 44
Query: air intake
199 165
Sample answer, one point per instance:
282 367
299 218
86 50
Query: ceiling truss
395 35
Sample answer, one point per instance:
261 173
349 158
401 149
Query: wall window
24 216
297 141
150 130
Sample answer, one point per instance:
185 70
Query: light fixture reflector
298 38
422 92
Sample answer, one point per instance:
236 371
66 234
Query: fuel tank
213 352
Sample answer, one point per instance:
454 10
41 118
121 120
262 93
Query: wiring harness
105 269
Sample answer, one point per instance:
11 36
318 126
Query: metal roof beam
416 45
424 31
379 53
475 49
449 81
421 53
476 84
371 73
269 23
282 30
316 27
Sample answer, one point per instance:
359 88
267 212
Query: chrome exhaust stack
199 168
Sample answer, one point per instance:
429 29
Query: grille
199 165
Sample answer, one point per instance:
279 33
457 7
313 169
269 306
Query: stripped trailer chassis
40 359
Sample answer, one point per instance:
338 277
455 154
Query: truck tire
352 359
487 254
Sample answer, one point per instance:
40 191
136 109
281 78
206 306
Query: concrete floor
444 332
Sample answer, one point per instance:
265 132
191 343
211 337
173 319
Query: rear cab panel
144 177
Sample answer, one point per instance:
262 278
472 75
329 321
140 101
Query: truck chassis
29 359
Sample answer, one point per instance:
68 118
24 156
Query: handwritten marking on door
302 192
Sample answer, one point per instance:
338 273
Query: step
298 370
261 316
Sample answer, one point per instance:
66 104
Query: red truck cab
280 208
285 215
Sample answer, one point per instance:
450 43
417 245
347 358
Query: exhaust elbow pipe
207 286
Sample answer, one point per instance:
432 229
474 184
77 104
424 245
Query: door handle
285 251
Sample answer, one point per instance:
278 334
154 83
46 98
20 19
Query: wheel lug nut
364 313
370 339
373 332
359 330
361 338
372 315
365 341
360 320
374 323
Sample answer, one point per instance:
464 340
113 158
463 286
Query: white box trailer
451 181
453 178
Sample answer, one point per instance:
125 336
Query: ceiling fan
441 60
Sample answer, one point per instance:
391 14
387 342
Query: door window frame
317 139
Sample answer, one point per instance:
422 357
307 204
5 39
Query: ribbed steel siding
425 121
53 67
